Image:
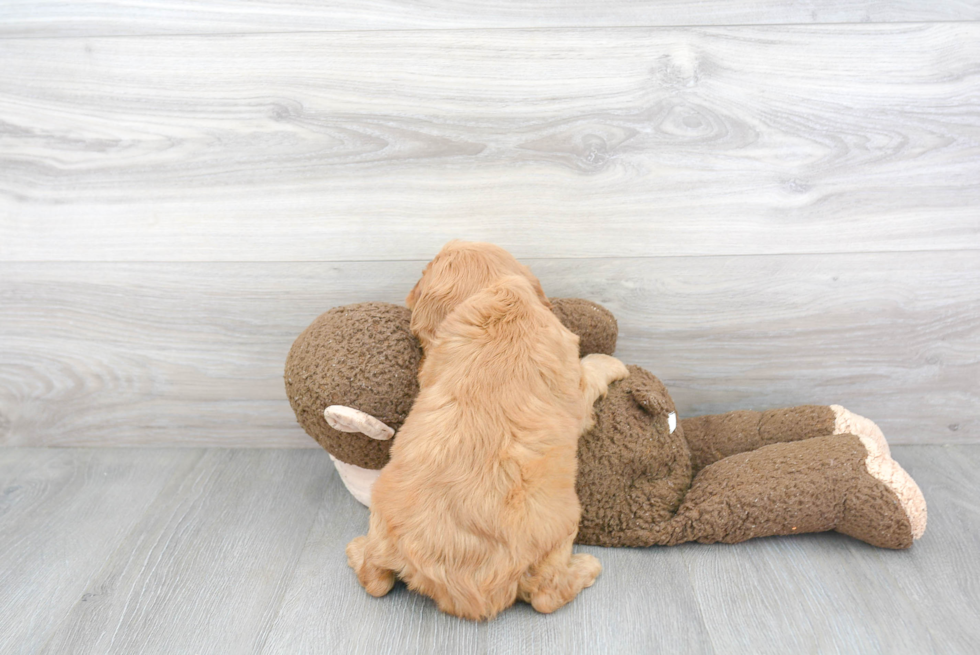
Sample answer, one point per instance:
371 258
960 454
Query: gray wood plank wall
46 18
780 201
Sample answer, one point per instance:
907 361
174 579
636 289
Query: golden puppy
477 506
459 270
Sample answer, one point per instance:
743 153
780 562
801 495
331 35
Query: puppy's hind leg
598 372
558 577
375 579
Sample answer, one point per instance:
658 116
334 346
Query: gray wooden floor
241 551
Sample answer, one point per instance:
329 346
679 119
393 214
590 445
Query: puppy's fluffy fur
477 506
457 272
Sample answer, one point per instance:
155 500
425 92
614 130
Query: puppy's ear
425 319
536 285
439 290
428 307
413 296
538 290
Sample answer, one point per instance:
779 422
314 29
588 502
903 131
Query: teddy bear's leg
558 578
712 438
841 482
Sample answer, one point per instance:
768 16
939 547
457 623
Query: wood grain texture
809 592
205 570
949 476
192 354
831 594
62 513
552 143
242 551
325 610
47 18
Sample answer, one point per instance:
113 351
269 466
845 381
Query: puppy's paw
602 370
565 585
376 581
355 553
618 370
587 567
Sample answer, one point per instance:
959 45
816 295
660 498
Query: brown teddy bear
644 479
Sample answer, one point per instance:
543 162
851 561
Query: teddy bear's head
634 463
362 362
362 357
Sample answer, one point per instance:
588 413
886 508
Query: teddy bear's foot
846 422
869 514
882 506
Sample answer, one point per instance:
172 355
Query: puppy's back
502 338
481 481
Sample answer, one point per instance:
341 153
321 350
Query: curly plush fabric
717 436
595 325
727 478
365 356
632 470
362 356
732 477
811 485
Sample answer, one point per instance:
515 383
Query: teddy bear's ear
593 324
348 419
651 394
